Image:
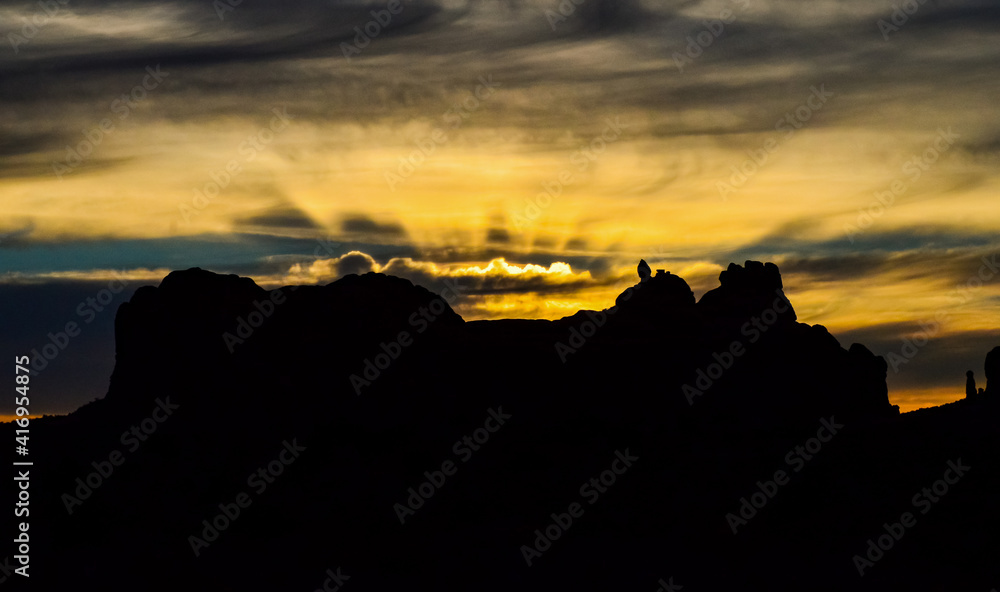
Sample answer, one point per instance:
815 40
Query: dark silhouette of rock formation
655 294
747 291
993 371
644 270
970 384
654 378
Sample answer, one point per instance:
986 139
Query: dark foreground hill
254 440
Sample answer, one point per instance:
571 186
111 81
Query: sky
532 151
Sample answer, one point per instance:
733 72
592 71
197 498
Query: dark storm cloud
986 151
260 53
544 242
793 238
18 236
248 32
497 235
974 14
17 143
351 264
278 217
363 225
944 268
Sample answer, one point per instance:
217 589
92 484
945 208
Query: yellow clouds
857 292
496 181
531 306
46 29
497 270
139 275
495 289
500 268
145 177
323 271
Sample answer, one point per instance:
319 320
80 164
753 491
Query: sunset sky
532 155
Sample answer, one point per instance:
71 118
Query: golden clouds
496 270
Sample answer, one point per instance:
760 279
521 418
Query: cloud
279 217
940 268
800 238
559 82
356 263
325 270
367 227
986 152
498 235
17 236
148 276
497 276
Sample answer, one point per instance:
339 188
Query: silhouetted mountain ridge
231 327
380 380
